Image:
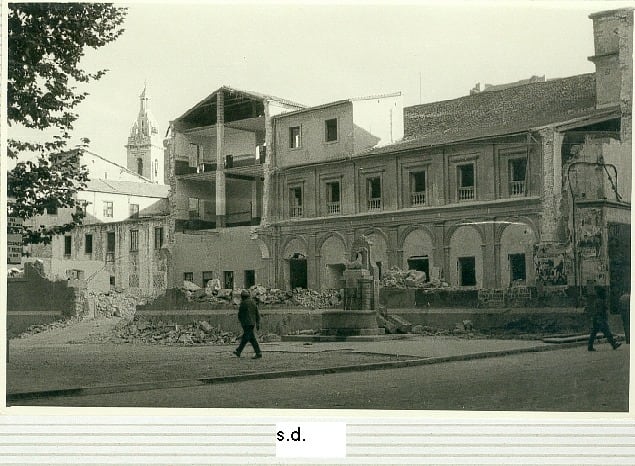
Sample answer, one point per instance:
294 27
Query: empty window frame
134 240
295 140
158 237
134 210
188 276
110 246
193 207
373 193
250 278
207 276
517 268
333 197
68 242
467 271
108 209
466 182
330 130
295 201
140 166
156 168
228 279
88 244
418 188
517 176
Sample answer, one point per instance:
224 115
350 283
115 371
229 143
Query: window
140 166
88 244
112 280
333 197
373 187
330 130
68 241
51 208
294 137
134 210
134 240
156 168
465 181
517 177
295 201
110 246
108 209
207 276
188 276
467 271
193 209
82 207
250 278
228 279
517 267
417 188
158 237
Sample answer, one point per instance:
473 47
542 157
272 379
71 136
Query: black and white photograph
411 207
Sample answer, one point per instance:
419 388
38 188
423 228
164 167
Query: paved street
563 380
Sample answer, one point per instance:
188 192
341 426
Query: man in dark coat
249 317
597 307
625 311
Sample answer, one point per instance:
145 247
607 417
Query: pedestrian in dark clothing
625 311
597 307
249 318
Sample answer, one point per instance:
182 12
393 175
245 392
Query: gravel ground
54 360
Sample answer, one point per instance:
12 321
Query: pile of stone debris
166 333
214 294
40 328
114 303
398 278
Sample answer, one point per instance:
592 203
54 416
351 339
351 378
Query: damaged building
526 184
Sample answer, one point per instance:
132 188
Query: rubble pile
39 328
398 278
165 333
300 297
112 303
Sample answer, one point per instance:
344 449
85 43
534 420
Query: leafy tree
46 42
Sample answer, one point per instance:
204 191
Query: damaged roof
132 188
496 113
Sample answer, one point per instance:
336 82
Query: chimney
613 59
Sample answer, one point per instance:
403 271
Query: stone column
490 270
311 265
220 161
552 184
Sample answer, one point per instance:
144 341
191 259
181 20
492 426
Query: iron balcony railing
374 204
466 193
418 198
333 207
517 188
296 211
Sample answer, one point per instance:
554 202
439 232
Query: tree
46 42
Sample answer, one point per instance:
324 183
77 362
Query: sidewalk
44 363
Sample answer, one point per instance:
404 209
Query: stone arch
466 242
322 239
264 249
333 255
517 239
451 229
418 243
295 245
504 223
405 232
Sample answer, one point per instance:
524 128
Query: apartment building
521 184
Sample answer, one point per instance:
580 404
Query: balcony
374 204
295 211
418 198
517 188
333 208
466 193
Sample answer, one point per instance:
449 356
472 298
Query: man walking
597 307
249 317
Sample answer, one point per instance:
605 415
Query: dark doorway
517 267
467 271
420 263
297 271
250 278
228 279
619 247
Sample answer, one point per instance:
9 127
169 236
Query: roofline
339 102
262 97
116 164
117 191
601 14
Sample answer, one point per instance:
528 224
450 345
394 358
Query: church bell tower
145 146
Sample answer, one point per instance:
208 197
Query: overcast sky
315 53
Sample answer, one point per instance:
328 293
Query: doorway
250 278
420 263
298 271
467 271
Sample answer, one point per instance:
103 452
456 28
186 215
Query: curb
12 398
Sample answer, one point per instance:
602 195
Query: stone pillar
268 188
220 161
490 270
312 280
552 185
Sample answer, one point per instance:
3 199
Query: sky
318 52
